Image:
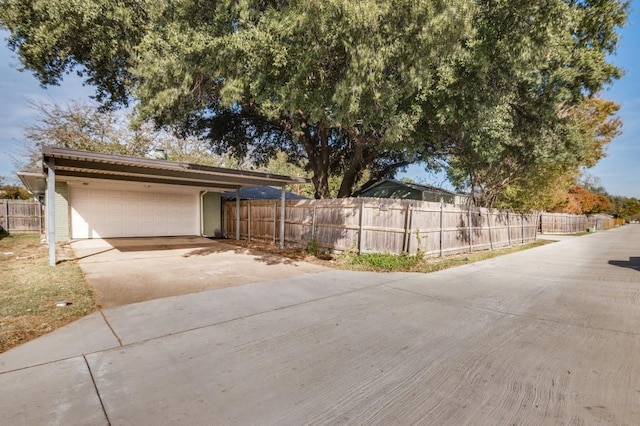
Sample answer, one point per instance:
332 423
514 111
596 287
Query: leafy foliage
95 39
502 91
80 125
338 84
580 200
536 120
14 192
625 207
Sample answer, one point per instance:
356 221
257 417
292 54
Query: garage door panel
108 213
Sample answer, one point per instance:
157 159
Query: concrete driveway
129 270
548 336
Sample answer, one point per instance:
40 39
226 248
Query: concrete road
548 336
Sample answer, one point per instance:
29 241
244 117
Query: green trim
212 214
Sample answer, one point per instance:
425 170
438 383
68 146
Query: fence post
441 227
409 232
470 228
6 215
508 229
405 242
313 222
490 231
39 207
360 226
522 226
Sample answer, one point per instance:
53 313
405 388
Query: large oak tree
343 87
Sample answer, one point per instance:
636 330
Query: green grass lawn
407 263
30 288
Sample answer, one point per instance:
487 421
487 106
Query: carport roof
85 164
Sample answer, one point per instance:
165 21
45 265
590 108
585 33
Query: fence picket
21 216
382 226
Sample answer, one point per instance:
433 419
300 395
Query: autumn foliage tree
580 200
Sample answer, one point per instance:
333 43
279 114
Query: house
388 188
95 195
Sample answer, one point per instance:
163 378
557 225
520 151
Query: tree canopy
538 119
82 125
503 92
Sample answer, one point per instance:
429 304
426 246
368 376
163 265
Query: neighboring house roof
262 193
414 186
85 164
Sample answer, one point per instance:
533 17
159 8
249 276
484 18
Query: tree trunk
316 145
350 176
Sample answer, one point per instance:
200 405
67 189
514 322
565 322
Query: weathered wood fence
374 225
561 223
20 216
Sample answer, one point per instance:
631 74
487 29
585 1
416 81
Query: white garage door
114 212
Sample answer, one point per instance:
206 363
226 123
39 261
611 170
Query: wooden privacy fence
375 225
562 223
20 216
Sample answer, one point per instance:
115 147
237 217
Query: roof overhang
84 164
36 183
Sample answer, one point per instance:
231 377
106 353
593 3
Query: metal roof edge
124 160
33 181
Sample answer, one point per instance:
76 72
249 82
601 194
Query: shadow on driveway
633 263
129 270
259 256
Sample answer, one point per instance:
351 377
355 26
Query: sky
619 171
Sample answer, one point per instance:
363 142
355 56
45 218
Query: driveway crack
95 386
110 328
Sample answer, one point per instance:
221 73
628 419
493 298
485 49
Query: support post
283 199
248 220
51 210
225 219
238 214
275 220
